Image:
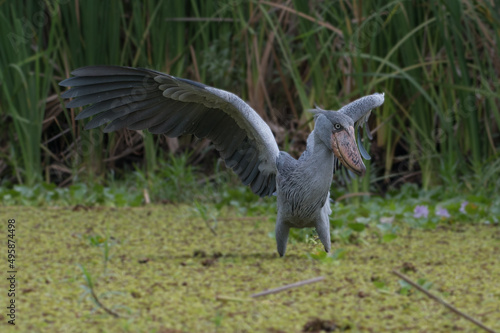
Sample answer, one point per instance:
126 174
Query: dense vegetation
436 61
430 205
161 270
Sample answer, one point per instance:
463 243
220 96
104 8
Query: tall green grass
425 58
25 77
437 62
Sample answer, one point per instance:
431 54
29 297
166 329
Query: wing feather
359 111
132 118
138 98
113 104
76 81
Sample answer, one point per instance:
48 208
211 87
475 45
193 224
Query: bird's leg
323 229
323 224
281 231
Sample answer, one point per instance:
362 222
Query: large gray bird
138 98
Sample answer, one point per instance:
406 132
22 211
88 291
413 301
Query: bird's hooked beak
345 148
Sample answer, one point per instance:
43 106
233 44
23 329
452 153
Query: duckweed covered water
166 272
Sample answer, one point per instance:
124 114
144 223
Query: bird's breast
301 202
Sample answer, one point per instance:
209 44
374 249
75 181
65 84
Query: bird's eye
337 126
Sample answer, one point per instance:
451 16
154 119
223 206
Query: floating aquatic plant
421 211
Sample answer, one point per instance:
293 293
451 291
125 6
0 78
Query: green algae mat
161 269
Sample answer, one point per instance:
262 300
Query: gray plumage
138 98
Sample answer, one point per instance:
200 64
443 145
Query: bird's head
343 143
341 132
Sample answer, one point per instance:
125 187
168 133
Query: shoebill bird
138 99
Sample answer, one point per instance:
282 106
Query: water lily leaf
389 238
357 226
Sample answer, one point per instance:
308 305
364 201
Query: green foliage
377 219
89 292
158 270
89 286
381 285
389 238
103 242
76 195
203 212
381 218
173 180
328 258
407 289
24 85
437 63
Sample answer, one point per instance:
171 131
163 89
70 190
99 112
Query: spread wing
138 98
359 111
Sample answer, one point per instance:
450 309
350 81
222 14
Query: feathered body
138 98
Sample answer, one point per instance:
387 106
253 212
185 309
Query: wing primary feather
99 97
146 123
246 162
233 143
257 183
221 132
247 176
138 98
99 88
110 70
270 186
247 165
133 118
120 112
195 119
115 103
174 125
77 81
210 119
235 159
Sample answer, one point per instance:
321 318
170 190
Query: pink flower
462 207
421 211
443 212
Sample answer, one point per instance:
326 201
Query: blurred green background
436 61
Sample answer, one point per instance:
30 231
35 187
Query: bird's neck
320 159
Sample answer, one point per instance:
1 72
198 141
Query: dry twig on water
288 286
439 300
